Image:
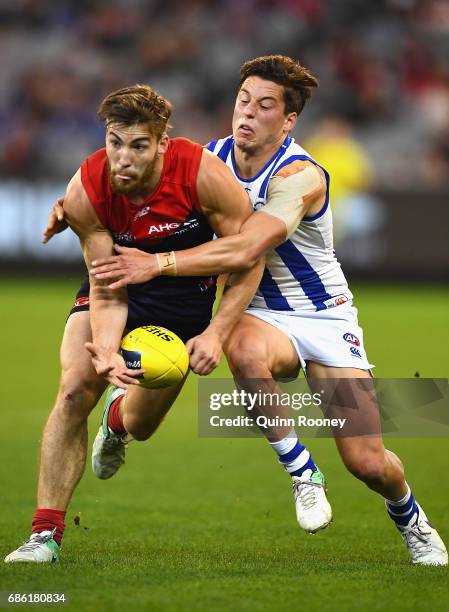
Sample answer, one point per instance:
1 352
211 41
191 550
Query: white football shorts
331 337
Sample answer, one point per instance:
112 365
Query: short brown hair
297 81
137 104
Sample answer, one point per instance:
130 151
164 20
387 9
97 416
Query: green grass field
208 524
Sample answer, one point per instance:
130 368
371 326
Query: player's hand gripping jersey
170 219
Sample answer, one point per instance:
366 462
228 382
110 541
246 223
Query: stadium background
194 523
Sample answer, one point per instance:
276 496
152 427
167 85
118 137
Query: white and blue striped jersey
303 273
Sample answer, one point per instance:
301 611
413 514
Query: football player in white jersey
302 314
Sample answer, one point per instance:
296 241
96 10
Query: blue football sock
403 512
294 456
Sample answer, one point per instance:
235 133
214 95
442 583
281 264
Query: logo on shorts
81 301
355 352
337 300
351 339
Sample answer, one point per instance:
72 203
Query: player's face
259 120
133 154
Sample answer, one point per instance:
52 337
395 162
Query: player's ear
162 145
290 121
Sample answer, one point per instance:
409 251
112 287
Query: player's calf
383 472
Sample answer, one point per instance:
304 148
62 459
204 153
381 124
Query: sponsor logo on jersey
351 339
335 301
165 228
124 237
355 352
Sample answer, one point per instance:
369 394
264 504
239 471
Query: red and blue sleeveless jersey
169 219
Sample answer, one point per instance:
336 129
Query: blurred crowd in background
383 67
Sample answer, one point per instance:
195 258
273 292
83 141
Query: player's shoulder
77 206
302 168
183 161
220 146
183 146
295 166
96 158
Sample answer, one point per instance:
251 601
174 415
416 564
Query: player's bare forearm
108 309
239 290
233 253
108 315
205 350
228 254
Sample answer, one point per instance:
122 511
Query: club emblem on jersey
351 339
355 352
259 204
141 213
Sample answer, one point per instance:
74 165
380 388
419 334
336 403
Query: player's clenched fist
205 353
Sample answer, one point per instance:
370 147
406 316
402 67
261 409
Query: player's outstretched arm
108 309
298 188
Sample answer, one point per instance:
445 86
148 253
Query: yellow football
158 351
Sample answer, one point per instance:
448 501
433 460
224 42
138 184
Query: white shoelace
305 492
417 541
35 540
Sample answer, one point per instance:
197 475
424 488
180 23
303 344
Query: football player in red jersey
146 190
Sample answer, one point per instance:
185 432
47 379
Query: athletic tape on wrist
167 263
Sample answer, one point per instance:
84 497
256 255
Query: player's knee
78 394
247 359
369 468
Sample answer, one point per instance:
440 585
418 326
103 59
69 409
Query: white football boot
313 511
40 548
423 542
109 448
